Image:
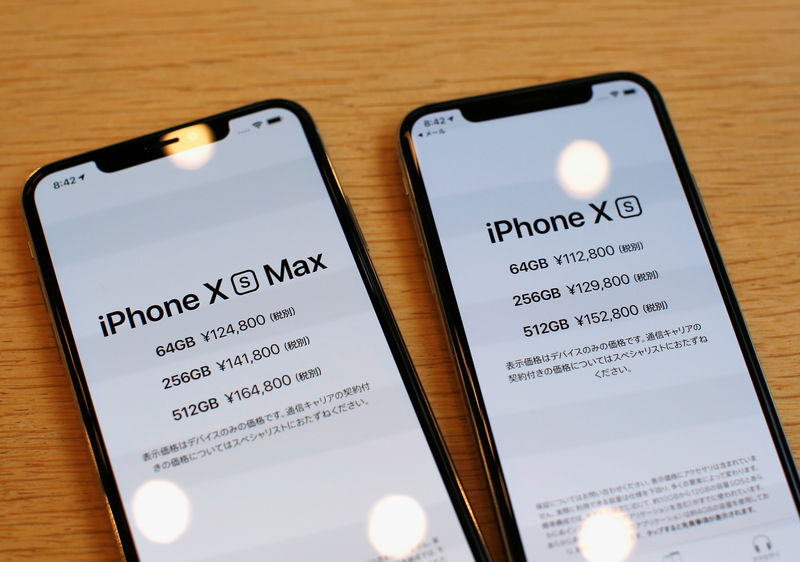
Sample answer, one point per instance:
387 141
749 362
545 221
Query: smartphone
618 402
244 387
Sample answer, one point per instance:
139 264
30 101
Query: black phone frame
537 98
141 150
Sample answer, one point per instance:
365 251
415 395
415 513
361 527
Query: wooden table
75 76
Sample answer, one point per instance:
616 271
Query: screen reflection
607 535
397 525
161 510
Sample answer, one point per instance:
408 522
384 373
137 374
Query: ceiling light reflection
583 169
161 511
397 525
607 535
193 149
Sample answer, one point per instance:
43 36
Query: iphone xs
618 401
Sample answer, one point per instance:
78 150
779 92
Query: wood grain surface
79 75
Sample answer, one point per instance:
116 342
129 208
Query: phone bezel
120 153
538 98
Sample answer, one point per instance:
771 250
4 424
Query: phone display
243 384
619 404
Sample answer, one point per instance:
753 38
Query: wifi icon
257 124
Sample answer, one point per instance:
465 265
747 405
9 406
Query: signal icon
257 124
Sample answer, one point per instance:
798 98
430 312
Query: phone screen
619 400
247 400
